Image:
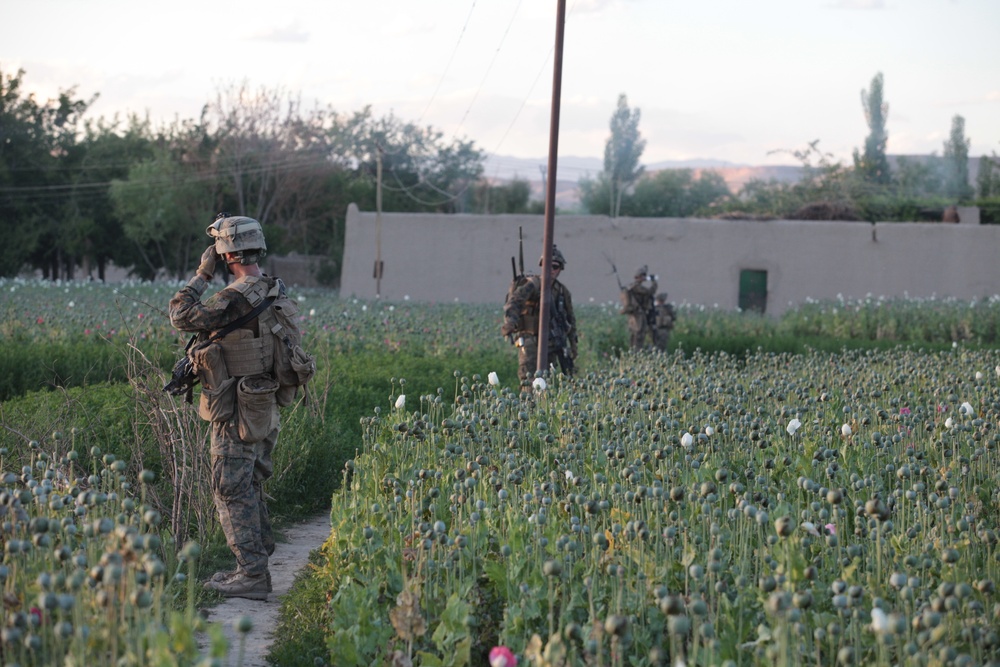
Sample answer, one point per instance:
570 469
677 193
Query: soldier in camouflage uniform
521 321
238 467
664 324
637 303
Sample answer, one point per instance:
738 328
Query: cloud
289 34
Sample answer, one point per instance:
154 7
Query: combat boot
223 576
241 585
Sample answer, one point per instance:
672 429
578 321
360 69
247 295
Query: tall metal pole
550 193
378 223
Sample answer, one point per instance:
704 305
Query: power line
488 70
451 59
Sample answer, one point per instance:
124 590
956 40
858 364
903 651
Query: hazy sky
724 79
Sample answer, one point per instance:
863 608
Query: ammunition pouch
258 407
293 368
218 390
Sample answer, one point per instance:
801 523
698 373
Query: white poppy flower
949 422
793 426
979 375
997 369
967 410
312 312
880 622
810 528
492 377
687 439
569 475
845 430
539 384
709 431
401 401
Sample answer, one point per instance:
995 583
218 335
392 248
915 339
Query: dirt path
291 554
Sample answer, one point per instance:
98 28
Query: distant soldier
521 311
664 321
637 304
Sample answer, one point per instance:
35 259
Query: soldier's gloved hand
506 329
208 261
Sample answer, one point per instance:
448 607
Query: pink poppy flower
830 528
904 411
501 656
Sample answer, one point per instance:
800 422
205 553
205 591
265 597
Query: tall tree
987 181
873 165
37 152
956 158
622 153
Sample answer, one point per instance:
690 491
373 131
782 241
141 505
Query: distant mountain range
571 169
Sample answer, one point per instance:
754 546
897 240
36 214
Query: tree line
869 189
78 193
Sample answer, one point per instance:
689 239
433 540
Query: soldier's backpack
293 366
630 304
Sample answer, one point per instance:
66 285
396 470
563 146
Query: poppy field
819 489
671 509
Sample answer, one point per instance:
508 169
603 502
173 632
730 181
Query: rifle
614 270
520 252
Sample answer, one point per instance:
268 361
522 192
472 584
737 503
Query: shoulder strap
232 326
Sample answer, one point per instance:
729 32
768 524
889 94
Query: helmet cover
238 234
558 261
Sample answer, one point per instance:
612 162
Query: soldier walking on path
664 321
521 311
637 304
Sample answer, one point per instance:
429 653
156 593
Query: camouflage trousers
527 359
639 330
661 337
239 470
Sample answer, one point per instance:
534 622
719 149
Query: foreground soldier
666 316
521 321
637 303
242 439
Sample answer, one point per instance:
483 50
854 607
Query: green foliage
513 197
622 154
38 140
988 178
701 507
956 158
675 193
301 637
872 165
670 451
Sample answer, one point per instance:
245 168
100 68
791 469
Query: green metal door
753 290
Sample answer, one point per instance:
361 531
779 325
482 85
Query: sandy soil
290 555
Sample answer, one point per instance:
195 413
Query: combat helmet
238 234
662 296
642 271
558 260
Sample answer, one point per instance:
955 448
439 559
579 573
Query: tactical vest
245 351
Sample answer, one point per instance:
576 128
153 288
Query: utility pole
377 273
550 193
